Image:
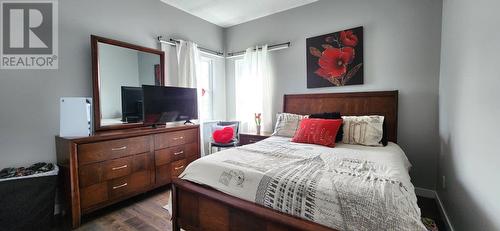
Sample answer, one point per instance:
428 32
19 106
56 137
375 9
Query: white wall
469 110
401 51
29 108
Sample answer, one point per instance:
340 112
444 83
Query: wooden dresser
108 167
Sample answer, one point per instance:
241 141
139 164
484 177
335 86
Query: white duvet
349 187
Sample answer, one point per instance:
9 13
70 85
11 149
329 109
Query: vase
258 129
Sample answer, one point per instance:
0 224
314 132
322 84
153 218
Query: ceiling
226 13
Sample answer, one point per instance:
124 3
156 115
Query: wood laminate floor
146 213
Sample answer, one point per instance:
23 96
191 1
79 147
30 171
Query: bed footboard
196 207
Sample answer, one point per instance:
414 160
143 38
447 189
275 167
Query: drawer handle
119 149
179 138
177 168
116 168
178 153
120 186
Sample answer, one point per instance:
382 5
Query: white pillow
287 124
364 130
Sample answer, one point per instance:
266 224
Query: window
238 68
254 89
248 95
205 75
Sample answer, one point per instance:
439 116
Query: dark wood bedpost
175 225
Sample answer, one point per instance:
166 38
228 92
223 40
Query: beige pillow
364 130
287 124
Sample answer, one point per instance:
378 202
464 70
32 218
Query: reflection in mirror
122 72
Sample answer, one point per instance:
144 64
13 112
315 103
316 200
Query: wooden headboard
383 103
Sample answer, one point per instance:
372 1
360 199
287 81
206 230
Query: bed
279 185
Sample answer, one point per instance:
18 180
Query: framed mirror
119 70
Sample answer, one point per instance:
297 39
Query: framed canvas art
335 59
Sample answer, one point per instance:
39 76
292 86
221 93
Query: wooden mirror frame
96 88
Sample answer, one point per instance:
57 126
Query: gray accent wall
29 99
401 52
469 109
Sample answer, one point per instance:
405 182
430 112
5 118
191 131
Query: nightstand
252 137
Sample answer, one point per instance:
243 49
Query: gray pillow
287 124
364 130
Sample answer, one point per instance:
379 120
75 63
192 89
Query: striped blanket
349 187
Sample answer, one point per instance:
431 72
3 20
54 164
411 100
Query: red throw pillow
223 136
317 131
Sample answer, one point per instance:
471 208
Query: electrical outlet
443 182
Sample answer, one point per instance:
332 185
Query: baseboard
427 193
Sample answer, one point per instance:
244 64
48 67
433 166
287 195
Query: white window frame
210 61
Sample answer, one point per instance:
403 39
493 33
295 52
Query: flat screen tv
169 104
132 104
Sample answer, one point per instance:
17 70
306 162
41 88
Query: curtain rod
173 42
273 47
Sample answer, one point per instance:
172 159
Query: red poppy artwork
335 59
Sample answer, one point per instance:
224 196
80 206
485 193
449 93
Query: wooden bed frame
197 207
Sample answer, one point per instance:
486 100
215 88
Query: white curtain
188 58
171 64
184 73
254 90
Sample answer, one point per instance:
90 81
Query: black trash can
27 202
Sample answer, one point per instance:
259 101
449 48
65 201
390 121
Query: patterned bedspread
349 187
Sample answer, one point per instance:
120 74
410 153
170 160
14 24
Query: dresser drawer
140 181
167 155
90 174
117 168
93 195
142 162
98 172
190 159
106 150
177 167
163 175
130 184
171 139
